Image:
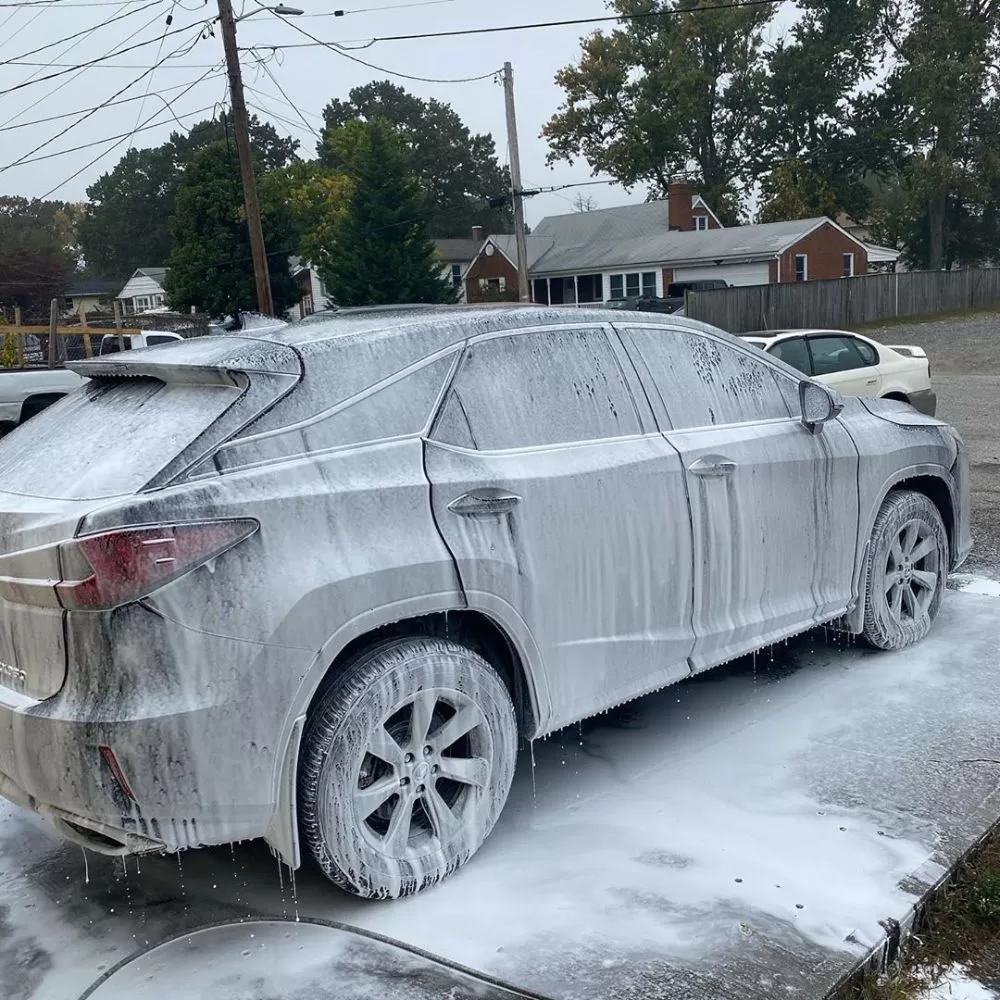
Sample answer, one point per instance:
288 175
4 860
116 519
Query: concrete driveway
741 835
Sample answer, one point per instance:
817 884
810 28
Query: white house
313 295
144 291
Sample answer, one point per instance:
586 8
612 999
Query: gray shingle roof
624 223
458 251
736 243
156 273
538 247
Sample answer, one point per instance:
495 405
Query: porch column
548 291
576 290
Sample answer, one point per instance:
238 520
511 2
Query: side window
152 340
703 381
868 353
534 389
793 352
834 354
396 410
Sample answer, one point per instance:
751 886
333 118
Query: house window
700 223
456 275
497 284
802 267
142 303
630 286
848 265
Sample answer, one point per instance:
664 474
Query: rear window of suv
109 439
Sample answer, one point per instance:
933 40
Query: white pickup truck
27 391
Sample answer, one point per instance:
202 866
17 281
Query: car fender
854 620
282 832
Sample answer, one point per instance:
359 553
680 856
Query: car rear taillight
105 571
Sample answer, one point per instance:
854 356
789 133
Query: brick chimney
478 234
679 200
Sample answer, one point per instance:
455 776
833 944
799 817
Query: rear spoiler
206 360
909 352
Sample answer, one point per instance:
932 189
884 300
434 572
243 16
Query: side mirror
818 406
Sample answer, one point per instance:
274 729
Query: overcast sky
308 76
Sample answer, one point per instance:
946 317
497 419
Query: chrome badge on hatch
12 677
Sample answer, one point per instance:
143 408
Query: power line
99 59
108 104
123 135
82 33
263 65
339 50
394 6
93 111
75 73
159 111
736 5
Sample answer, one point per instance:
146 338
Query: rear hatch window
110 438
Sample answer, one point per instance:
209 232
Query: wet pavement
740 835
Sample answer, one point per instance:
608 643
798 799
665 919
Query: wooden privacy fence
846 302
32 345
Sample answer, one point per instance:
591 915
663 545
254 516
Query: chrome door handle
712 466
488 500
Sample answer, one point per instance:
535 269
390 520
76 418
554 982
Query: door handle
712 466
488 500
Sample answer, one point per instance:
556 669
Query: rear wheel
406 765
907 571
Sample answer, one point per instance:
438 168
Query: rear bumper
189 718
924 400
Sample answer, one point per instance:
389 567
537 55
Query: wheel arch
502 639
896 394
934 482
37 402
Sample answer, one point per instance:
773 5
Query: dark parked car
644 303
313 584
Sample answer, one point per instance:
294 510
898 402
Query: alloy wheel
912 571
422 773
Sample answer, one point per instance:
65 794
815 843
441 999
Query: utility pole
524 292
263 279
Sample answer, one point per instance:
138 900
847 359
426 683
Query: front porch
580 289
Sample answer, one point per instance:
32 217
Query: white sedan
853 364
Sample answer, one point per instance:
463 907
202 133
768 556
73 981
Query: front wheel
406 765
907 571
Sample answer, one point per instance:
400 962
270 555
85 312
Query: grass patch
960 925
893 321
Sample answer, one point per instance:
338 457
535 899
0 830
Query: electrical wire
339 50
83 32
735 5
263 65
93 111
149 79
123 135
74 75
100 156
109 104
100 59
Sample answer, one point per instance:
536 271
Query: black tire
903 589
437 799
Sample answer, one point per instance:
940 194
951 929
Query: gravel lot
965 368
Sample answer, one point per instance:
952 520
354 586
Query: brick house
456 257
640 249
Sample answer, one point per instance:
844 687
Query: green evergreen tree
382 253
210 263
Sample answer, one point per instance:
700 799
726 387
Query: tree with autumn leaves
883 109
